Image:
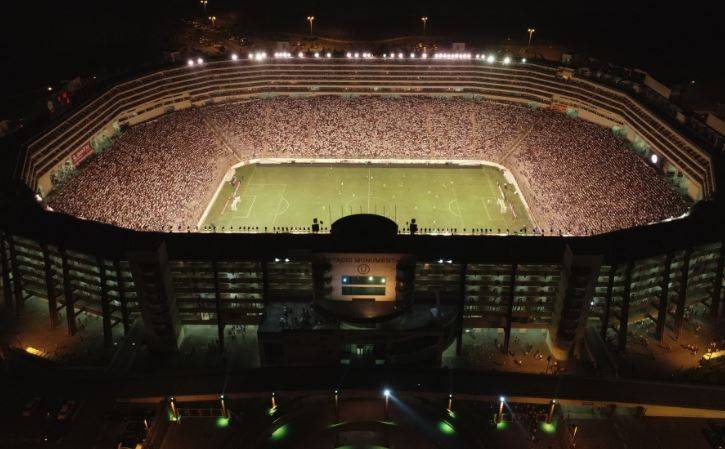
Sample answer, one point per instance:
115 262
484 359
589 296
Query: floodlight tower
424 19
531 32
310 19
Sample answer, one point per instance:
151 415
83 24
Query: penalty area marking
279 204
450 208
243 199
485 208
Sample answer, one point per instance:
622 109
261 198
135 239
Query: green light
280 433
501 425
173 418
446 428
222 421
451 413
272 411
549 427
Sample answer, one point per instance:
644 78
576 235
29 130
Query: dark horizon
62 40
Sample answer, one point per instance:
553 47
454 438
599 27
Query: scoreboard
369 277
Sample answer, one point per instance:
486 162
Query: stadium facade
444 283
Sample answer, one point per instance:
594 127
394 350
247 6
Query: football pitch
441 199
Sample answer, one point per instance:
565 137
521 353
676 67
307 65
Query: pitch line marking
226 203
455 196
281 198
485 208
251 206
450 209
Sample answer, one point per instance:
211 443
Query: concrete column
265 282
5 267
50 289
662 306
105 305
122 298
70 313
17 279
509 309
624 311
461 303
682 294
715 305
218 300
608 303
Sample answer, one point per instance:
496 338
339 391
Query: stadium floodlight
348 55
400 55
412 55
300 55
190 62
507 60
424 56
357 55
234 57
199 61
654 158
502 399
392 55
386 393
317 55
524 60
491 59
329 55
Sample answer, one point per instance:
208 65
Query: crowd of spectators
157 175
578 178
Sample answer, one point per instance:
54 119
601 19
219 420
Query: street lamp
386 393
204 3
424 19
213 21
531 34
337 405
552 409
223 406
499 415
310 19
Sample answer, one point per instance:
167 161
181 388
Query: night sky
44 41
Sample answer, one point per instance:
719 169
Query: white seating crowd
577 177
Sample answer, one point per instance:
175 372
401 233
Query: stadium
367 209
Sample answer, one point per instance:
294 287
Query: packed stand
578 178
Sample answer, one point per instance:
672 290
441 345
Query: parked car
66 410
30 406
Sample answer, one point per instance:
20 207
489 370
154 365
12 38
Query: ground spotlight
234 57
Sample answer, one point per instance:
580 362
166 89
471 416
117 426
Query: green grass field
443 198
